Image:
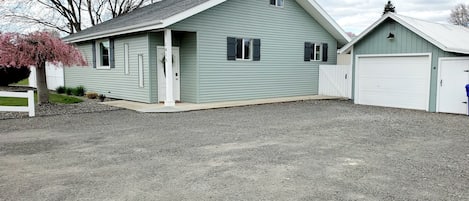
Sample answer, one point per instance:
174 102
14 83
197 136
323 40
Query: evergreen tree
389 8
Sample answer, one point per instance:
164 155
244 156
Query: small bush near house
60 90
78 91
12 75
101 97
68 91
91 95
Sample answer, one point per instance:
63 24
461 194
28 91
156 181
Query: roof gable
167 12
449 38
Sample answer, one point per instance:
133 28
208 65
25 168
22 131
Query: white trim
314 52
311 6
438 90
150 25
126 59
395 17
168 46
243 54
323 18
357 72
99 56
30 108
141 78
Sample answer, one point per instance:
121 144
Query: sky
356 15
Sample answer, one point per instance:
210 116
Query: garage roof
450 38
164 13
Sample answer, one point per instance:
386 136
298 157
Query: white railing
30 108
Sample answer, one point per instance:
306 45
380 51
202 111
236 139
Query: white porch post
168 45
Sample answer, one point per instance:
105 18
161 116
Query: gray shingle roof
152 13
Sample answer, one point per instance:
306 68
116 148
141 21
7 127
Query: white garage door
453 77
393 81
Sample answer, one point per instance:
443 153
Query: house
408 63
201 51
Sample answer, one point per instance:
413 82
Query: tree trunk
42 91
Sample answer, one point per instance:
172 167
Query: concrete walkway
185 107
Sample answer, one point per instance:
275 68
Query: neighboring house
409 63
222 50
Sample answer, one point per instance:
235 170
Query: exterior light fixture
390 36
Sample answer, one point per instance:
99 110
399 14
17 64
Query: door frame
176 69
356 73
438 88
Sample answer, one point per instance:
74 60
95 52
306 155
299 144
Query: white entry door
453 77
162 74
399 81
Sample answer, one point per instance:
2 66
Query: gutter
119 31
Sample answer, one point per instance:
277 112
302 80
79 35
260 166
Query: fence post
31 106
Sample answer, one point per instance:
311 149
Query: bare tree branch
68 16
460 15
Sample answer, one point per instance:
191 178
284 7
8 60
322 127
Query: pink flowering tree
35 49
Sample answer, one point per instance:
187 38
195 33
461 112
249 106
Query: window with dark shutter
324 52
93 49
244 49
256 50
231 49
112 62
277 3
307 56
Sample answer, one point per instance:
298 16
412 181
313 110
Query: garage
453 76
399 81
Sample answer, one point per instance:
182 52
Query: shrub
60 90
91 95
13 75
68 91
78 91
101 97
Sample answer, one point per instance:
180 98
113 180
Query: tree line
67 16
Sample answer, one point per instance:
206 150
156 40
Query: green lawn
24 82
53 98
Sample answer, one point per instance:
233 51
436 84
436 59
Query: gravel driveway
312 150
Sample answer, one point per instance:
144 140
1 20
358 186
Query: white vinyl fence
54 76
30 108
335 80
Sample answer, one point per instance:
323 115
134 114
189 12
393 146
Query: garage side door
453 77
394 81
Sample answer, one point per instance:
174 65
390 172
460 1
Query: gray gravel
312 150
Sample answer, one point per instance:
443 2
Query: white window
140 71
243 49
103 54
277 3
316 53
126 58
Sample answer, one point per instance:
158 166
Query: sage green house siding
281 71
405 42
189 67
206 75
114 82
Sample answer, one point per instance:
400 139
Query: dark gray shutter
307 51
112 62
231 48
257 50
93 47
324 52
